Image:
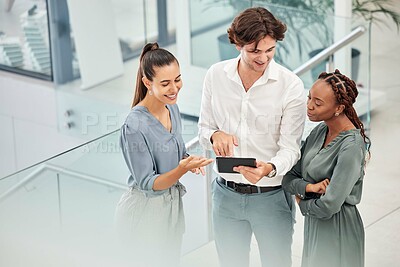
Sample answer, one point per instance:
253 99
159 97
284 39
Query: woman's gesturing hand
194 164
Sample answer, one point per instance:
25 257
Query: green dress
333 229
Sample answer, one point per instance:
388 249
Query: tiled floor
380 205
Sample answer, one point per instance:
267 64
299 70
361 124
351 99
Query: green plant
306 23
367 9
299 15
312 18
371 9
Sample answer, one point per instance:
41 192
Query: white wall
28 119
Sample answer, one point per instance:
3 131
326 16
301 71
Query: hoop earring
150 92
337 114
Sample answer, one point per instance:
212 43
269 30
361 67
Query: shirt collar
271 73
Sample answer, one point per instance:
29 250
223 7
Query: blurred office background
67 74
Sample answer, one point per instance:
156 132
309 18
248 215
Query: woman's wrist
181 169
308 188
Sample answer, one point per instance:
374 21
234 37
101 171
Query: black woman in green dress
327 180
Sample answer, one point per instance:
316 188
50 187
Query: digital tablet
226 164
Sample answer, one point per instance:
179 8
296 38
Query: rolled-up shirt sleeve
138 158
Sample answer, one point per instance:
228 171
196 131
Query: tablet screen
226 164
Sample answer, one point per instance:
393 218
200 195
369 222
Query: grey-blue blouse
149 149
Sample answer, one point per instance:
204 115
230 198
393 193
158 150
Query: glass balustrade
60 212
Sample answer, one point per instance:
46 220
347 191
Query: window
24 38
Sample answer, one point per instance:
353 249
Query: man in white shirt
253 107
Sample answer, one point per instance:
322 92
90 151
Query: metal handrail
47 166
22 182
60 154
192 143
329 51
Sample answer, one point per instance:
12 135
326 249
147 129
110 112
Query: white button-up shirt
268 119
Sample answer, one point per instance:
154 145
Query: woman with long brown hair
327 180
150 215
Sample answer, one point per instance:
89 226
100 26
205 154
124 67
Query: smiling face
257 58
166 83
321 103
